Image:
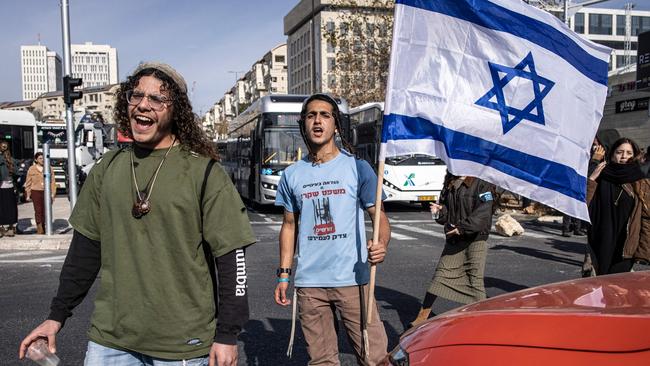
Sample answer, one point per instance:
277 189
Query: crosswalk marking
419 230
23 253
51 259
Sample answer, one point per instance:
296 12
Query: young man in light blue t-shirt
324 196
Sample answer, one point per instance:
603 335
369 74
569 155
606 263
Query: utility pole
627 43
236 90
69 97
312 41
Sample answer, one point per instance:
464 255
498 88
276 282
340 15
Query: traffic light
69 94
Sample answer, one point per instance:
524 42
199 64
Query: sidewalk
28 240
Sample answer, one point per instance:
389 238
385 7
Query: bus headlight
390 185
270 186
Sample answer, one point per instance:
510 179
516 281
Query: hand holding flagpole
375 239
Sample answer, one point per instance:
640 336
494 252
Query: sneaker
566 233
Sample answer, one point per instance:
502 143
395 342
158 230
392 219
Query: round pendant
135 211
140 208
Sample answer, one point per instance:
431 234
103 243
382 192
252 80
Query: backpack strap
208 169
209 258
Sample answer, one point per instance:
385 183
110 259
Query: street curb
36 242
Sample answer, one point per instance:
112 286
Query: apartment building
320 32
266 76
49 107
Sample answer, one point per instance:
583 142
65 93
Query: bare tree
361 38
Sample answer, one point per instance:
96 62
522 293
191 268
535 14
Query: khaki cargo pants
316 311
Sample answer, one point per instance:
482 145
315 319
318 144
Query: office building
95 64
40 71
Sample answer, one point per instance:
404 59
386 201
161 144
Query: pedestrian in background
466 208
645 162
324 196
150 220
618 195
8 201
35 190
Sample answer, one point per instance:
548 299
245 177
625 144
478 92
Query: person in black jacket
465 210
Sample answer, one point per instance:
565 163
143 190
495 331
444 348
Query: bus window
282 146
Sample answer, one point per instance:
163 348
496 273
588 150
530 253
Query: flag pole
375 239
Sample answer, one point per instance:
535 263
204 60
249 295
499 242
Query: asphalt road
540 256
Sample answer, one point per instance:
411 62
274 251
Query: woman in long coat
618 194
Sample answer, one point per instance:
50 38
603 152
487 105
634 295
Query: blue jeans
98 355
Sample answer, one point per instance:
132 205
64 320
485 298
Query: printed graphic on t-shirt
323 223
319 195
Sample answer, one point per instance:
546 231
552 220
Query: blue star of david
497 91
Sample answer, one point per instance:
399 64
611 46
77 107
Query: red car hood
603 314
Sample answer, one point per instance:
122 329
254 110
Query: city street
540 256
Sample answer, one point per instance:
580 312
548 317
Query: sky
202 39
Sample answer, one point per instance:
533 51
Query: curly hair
185 124
8 159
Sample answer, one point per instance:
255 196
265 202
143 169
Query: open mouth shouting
141 123
317 131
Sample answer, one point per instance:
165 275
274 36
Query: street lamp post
236 90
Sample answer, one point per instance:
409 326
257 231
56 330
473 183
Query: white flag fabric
499 90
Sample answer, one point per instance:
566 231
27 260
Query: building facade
49 107
608 27
627 108
95 64
332 41
40 70
266 76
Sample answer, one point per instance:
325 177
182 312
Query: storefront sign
632 105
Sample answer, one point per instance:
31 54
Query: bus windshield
414 159
281 119
283 146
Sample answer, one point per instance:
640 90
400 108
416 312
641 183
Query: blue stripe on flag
461 146
492 16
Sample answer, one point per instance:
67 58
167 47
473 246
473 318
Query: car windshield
283 146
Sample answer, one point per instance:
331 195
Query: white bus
408 178
262 141
18 128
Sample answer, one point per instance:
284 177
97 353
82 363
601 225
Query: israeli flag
499 90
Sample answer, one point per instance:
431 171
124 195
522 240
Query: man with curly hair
152 220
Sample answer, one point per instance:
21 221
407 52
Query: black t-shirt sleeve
233 296
77 276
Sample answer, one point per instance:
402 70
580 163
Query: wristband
284 279
281 270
